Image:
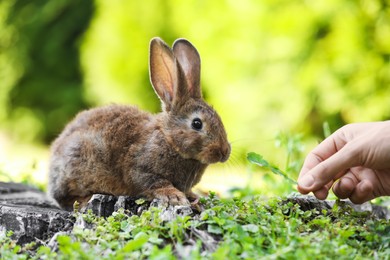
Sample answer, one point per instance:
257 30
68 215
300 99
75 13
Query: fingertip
362 193
365 187
302 191
321 194
344 188
306 182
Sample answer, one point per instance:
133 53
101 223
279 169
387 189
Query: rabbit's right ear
163 71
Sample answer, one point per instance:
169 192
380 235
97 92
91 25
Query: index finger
324 173
323 151
323 164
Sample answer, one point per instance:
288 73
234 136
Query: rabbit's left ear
189 60
163 72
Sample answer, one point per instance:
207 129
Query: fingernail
306 181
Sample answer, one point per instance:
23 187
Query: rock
310 202
30 214
208 241
105 205
381 212
11 187
172 212
33 224
100 205
28 198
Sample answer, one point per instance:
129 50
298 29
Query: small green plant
293 146
260 161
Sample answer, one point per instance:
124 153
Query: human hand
356 159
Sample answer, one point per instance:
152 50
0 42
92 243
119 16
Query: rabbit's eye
197 124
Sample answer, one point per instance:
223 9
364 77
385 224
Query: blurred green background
271 67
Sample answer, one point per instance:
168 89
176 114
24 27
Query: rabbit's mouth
215 154
225 153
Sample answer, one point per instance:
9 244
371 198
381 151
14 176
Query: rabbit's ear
189 60
163 71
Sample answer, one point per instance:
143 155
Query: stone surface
310 202
105 205
11 187
30 214
33 224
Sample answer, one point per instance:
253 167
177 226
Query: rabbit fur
121 150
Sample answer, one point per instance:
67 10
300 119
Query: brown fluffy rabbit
120 150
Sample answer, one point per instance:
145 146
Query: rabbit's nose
225 152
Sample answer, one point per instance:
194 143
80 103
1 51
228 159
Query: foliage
41 80
246 229
267 65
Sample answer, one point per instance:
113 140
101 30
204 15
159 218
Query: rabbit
121 150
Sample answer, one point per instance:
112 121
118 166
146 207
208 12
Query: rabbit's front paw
192 197
170 196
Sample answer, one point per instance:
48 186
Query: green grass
237 229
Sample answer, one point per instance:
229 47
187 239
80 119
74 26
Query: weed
260 161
